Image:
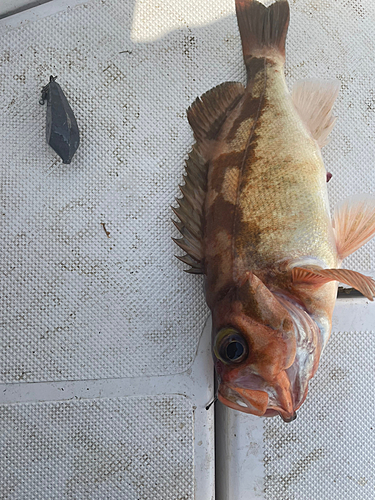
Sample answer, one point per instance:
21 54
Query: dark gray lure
61 126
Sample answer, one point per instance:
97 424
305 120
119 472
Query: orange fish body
255 221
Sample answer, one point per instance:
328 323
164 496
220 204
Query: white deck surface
105 362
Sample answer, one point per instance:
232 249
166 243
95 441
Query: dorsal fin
313 100
190 211
207 114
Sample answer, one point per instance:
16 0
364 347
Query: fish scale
286 169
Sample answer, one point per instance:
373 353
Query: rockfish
255 221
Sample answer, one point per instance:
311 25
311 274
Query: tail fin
263 29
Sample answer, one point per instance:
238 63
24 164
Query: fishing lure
62 132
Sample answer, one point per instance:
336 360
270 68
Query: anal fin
313 100
318 277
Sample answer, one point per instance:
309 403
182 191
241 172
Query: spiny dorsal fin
354 223
190 211
207 114
313 100
196 267
318 277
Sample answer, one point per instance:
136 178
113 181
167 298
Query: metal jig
62 132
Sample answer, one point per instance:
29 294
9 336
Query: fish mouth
255 402
258 402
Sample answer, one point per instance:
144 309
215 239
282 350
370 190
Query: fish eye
234 350
231 347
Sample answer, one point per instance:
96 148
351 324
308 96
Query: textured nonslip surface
329 451
96 449
76 303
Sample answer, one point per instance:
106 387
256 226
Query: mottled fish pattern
255 221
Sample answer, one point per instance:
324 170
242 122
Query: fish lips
245 400
259 402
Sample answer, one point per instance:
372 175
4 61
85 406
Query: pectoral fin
318 277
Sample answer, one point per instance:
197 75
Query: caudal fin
263 29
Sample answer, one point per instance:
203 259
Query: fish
255 222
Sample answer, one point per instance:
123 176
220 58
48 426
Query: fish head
266 349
